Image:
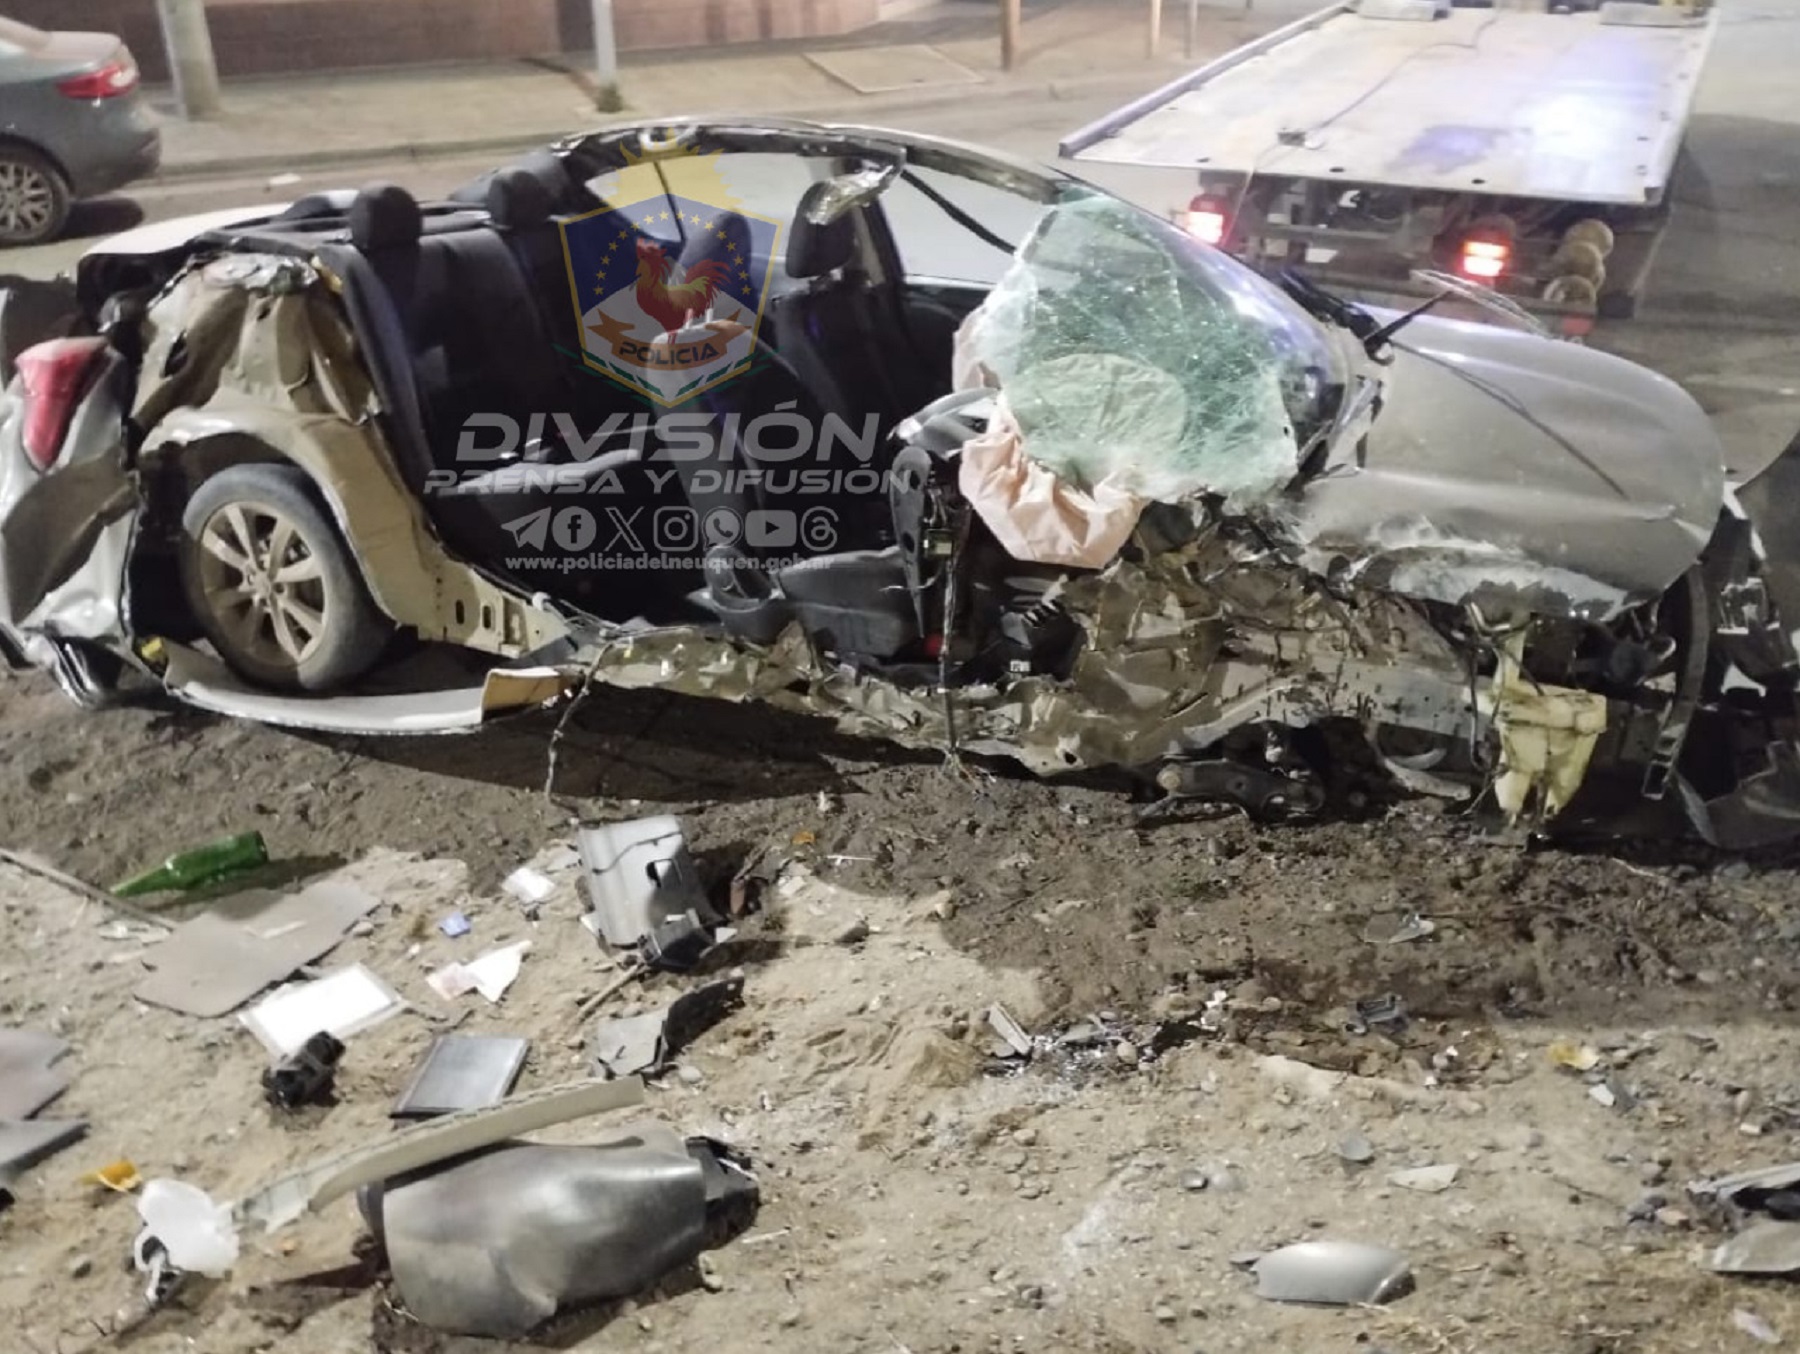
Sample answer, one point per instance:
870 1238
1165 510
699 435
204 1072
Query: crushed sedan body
950 448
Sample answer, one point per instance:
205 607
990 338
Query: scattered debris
1385 1014
1333 1273
490 974
1774 1190
1601 1093
1355 1149
26 1142
121 1177
644 885
184 1230
532 888
456 925
428 1143
497 1244
343 1002
630 1045
28 1080
204 865
1397 928
1426 1179
462 1072
1762 1248
243 944
1017 1044
306 1077
852 934
1754 1326
1574 1057
33 866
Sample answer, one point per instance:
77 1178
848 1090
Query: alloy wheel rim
26 199
264 585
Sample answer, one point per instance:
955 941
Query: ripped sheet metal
204 682
254 348
1154 679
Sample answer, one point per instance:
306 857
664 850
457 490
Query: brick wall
264 37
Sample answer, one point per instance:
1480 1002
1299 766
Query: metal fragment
1333 1273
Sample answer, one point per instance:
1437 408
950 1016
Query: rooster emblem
669 290
671 303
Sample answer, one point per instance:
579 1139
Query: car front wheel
273 585
34 199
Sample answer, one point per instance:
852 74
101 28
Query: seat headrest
517 199
384 216
814 250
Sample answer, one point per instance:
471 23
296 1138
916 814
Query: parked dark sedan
73 124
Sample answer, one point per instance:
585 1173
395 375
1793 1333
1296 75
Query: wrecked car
956 450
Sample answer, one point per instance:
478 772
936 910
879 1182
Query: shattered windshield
1133 355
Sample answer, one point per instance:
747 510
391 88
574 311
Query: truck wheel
273 585
1570 290
34 199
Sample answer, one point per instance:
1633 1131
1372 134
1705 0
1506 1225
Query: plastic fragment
529 886
1575 1057
121 1177
196 1233
1754 1326
456 924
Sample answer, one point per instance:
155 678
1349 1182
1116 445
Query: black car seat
523 201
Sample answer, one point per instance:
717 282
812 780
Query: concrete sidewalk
1084 46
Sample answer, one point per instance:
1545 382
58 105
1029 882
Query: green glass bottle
202 865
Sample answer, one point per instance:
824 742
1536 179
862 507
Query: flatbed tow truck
1390 148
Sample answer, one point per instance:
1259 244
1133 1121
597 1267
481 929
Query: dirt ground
917 1195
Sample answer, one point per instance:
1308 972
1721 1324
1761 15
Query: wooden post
1009 34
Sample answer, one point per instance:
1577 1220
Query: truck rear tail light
1207 219
1485 260
116 77
55 376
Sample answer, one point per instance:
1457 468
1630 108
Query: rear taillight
1485 259
55 375
1207 219
116 77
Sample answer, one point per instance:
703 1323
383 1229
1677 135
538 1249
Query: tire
316 629
34 197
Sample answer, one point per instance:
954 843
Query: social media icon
819 530
574 529
723 527
532 529
771 529
675 529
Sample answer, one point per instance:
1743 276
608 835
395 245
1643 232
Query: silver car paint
1513 472
65 535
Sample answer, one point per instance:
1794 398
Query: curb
276 162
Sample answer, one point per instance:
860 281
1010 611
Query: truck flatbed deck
1491 101
1530 151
